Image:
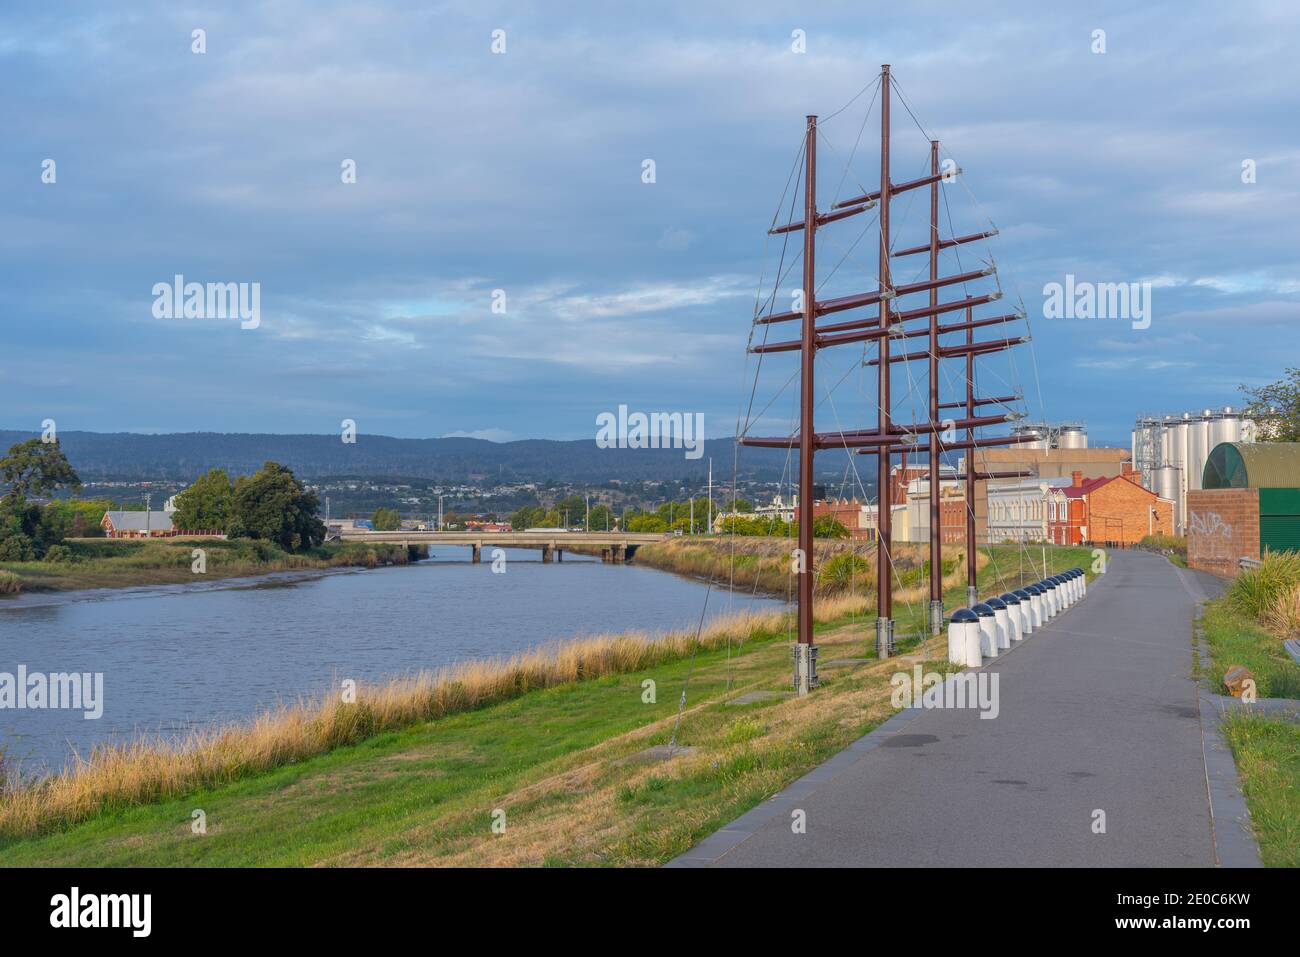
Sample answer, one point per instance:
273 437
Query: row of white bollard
994 625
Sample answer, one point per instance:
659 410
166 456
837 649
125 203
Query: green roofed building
1248 503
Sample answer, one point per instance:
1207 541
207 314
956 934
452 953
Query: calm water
173 658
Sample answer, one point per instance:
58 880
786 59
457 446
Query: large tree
1276 407
207 505
272 504
37 467
386 520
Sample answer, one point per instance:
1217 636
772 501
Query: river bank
428 770
130 563
763 565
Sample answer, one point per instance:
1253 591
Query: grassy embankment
763 565
414 772
123 563
1247 627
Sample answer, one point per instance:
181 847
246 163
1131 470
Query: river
174 657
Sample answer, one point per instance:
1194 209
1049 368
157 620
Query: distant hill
125 456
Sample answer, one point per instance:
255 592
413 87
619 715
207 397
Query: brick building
849 513
1107 509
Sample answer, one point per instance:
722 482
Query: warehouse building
1248 502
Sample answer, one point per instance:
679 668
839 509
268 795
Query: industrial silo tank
1179 442
1073 437
1198 447
1249 430
1037 433
1168 453
1226 427
1169 485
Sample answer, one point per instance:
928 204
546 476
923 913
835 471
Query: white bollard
1026 612
1013 616
964 639
988 631
957 642
1003 619
1038 607
974 651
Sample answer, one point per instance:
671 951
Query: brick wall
1222 527
1120 511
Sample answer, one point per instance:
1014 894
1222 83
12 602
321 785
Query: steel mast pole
936 536
805 672
884 524
972 592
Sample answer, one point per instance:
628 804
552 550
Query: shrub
1256 590
10 584
840 572
1164 543
59 553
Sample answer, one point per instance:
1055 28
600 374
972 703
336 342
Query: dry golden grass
149 769
764 564
1283 615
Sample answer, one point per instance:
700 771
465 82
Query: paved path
1097 711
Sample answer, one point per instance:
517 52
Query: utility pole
586 522
692 514
804 655
936 519
709 518
148 516
884 518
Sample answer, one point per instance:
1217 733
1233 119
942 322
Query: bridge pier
559 554
546 553
476 554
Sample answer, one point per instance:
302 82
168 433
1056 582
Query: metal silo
1073 435
1038 432
1226 427
1169 485
1198 447
1179 441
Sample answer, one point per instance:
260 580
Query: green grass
1268 759
124 563
1232 638
383 794
552 759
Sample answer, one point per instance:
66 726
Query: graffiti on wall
1210 536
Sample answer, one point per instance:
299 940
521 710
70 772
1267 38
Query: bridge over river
614 546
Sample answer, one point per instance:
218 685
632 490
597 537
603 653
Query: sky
522 172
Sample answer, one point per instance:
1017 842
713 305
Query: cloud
521 172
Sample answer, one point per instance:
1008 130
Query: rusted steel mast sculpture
888 438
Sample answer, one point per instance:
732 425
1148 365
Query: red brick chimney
1076 479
